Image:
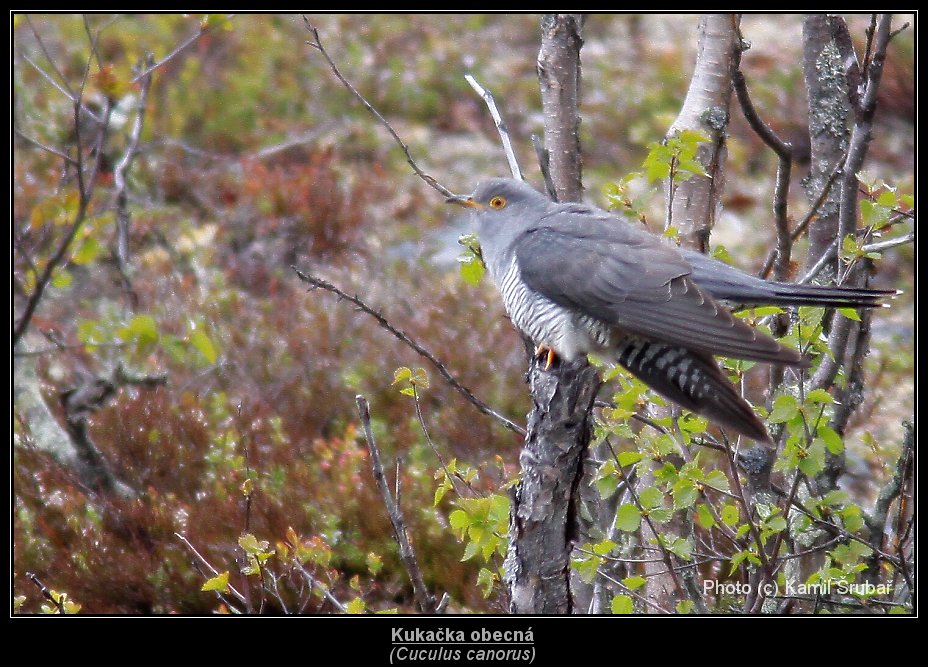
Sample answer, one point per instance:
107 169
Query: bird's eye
497 202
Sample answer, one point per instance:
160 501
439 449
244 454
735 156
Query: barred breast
569 334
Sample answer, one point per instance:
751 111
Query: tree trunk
829 109
693 204
544 503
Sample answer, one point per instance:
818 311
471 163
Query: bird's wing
630 279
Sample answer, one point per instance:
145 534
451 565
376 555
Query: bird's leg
548 353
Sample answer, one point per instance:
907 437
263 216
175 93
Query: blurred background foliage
254 158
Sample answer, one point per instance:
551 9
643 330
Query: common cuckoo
577 279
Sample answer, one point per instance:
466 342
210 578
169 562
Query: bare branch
85 192
441 460
317 44
783 150
544 163
49 149
45 592
667 557
326 593
893 488
407 339
500 126
213 571
68 92
202 30
808 218
423 597
120 197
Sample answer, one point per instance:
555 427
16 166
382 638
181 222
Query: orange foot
548 353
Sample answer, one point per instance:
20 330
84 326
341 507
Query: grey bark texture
693 204
543 517
829 108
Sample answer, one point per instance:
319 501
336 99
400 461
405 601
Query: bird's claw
547 353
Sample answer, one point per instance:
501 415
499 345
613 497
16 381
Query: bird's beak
464 200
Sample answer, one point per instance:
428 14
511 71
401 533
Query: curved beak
464 200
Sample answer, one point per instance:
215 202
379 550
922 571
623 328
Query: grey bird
577 279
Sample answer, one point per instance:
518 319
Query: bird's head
501 194
502 208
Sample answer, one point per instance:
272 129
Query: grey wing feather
631 280
726 282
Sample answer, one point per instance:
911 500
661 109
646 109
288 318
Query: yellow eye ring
497 202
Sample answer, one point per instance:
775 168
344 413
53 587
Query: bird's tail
694 381
789 294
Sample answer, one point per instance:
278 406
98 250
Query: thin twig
68 92
317 44
47 593
441 460
327 594
784 153
423 597
207 565
500 125
893 488
643 600
38 144
800 229
667 557
201 30
120 197
85 191
405 338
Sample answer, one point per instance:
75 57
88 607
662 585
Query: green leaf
661 514
651 497
628 458
218 583
684 607
202 343
887 199
730 514
634 583
850 313
420 378
832 441
401 374
717 480
62 279
819 396
472 269
704 516
87 252
623 604
374 563
684 494
814 461
356 606
835 497
785 407
471 550
604 547
143 329
459 519
627 518
249 543
486 580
